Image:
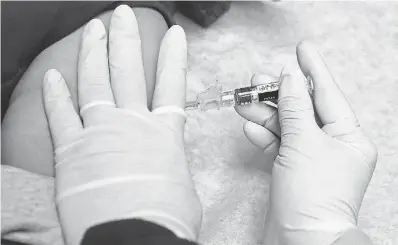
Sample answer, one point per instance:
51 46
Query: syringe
214 98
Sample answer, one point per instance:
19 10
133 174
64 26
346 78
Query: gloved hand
321 173
118 160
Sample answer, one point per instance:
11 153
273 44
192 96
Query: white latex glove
118 160
320 175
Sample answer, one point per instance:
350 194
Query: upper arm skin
26 141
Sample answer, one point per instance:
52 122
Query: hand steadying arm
114 158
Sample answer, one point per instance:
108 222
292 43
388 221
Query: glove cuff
178 210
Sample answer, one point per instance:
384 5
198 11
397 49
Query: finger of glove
170 88
296 113
94 89
62 118
260 113
125 60
261 137
331 105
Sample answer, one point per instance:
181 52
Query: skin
25 127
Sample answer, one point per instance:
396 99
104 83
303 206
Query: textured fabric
28 212
359 43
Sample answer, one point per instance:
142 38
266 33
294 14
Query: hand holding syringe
214 98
